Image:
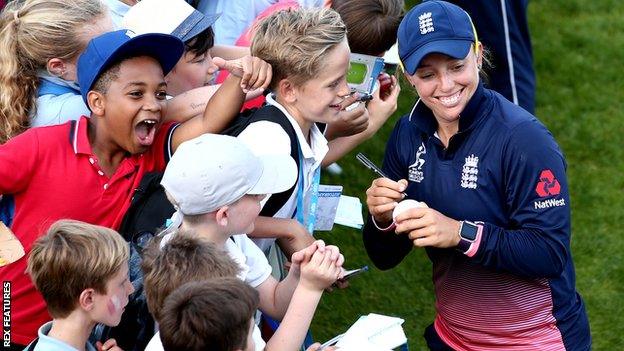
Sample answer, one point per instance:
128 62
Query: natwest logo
549 203
548 185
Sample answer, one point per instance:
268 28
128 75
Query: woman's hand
382 197
428 227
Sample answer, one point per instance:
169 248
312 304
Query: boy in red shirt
88 169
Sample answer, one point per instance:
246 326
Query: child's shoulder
43 342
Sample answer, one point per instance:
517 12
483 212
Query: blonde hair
31 33
295 42
71 257
184 258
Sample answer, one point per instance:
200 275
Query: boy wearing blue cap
88 169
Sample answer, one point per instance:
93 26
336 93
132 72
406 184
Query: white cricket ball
406 205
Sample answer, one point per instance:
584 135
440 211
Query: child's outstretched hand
253 71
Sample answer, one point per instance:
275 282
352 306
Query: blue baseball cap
107 49
434 26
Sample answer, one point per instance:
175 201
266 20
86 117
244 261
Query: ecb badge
470 172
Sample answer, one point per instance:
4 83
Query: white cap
175 17
212 171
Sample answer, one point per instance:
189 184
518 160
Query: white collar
317 139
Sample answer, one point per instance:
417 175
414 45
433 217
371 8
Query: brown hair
182 259
372 24
208 315
71 257
31 33
295 42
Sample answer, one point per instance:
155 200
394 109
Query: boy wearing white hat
216 184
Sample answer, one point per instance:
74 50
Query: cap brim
279 174
455 48
185 33
165 48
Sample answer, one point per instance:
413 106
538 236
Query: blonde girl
40 41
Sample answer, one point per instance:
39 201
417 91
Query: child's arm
229 52
246 74
275 296
193 103
379 109
291 235
317 273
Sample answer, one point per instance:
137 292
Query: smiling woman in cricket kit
491 206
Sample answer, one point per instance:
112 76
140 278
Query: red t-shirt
53 174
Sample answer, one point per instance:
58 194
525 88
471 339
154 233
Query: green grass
578 47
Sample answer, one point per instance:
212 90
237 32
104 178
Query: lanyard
314 191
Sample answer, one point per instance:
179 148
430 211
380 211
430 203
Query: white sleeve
236 17
257 263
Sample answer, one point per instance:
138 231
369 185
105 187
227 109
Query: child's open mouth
335 107
145 131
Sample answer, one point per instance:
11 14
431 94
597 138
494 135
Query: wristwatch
467 235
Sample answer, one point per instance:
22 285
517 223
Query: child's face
190 72
134 104
318 100
110 306
243 213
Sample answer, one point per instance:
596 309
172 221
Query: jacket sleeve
385 248
536 242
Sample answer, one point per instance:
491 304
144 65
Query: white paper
373 332
327 205
349 212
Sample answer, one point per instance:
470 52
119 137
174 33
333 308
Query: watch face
469 231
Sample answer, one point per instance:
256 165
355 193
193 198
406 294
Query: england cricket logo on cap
425 22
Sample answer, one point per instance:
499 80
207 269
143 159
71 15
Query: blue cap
107 49
434 26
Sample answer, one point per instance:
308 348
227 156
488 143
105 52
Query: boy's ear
287 90
222 216
96 102
56 67
85 300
